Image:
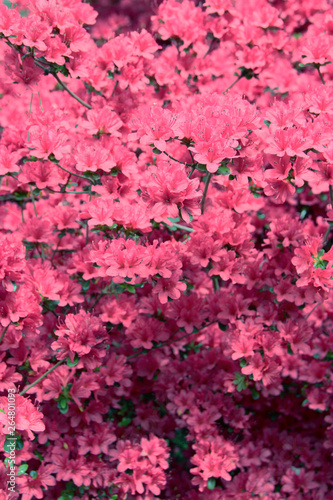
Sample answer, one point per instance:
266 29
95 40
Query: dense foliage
166 267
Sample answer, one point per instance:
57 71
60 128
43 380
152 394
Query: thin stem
87 227
26 389
22 215
169 342
180 226
96 301
40 102
62 84
67 192
330 224
174 159
72 173
33 202
216 285
234 83
192 170
307 317
30 113
32 95
41 66
209 48
321 77
114 88
8 197
55 250
3 333
192 158
207 181
70 92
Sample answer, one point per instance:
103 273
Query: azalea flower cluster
166 257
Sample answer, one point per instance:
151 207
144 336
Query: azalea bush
166 259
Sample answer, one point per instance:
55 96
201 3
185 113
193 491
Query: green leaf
223 170
320 264
255 394
240 382
8 445
85 286
51 305
39 455
211 483
33 474
303 213
73 363
21 196
329 356
62 405
157 151
19 443
22 469
125 422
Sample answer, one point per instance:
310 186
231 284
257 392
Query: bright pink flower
93 157
80 333
212 153
42 173
8 160
56 51
100 212
12 260
77 39
169 288
118 310
251 58
35 32
103 121
8 377
317 49
27 418
117 371
280 190
213 458
34 486
167 190
189 30
9 20
45 142
288 141
119 51
155 126
144 44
